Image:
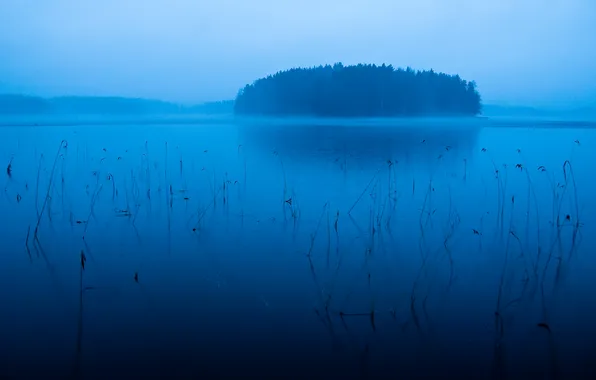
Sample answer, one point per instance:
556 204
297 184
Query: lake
220 248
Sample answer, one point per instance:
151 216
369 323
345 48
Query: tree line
363 90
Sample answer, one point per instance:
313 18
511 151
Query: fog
532 52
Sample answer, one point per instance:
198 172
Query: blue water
239 248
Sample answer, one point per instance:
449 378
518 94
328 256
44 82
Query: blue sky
520 52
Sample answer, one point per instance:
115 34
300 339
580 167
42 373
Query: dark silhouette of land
330 101
581 112
109 105
362 90
23 104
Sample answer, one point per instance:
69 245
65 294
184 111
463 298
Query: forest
363 90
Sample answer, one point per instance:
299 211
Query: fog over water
534 52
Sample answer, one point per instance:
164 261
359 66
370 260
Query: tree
362 90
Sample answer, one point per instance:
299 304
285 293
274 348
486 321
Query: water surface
315 248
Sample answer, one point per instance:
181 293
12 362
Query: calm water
321 249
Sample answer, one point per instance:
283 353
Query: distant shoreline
26 108
204 119
24 105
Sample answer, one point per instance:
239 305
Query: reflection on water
314 249
363 144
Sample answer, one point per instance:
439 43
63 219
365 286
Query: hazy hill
23 104
221 107
110 105
87 105
524 112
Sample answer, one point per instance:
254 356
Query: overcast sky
527 52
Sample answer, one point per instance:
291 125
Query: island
363 90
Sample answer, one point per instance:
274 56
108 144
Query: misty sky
526 52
